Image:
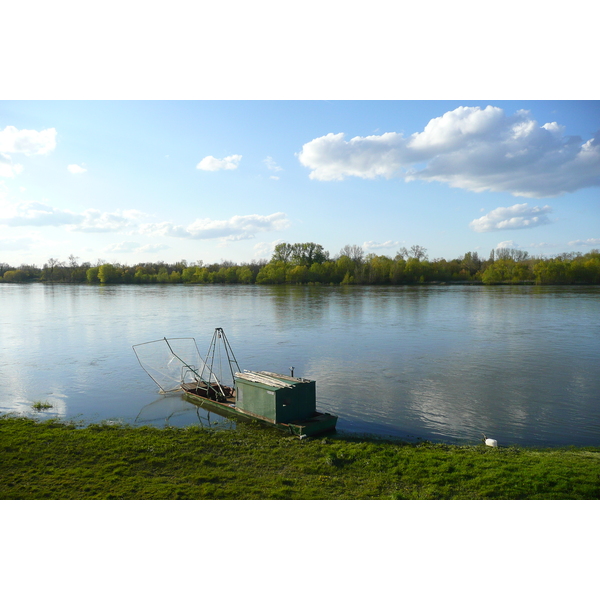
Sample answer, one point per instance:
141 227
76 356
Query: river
443 363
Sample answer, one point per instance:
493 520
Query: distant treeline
309 263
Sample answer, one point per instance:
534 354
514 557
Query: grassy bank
53 460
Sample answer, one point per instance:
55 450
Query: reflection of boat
286 402
173 409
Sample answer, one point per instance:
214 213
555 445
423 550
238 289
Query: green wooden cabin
277 398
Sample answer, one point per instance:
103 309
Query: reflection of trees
297 305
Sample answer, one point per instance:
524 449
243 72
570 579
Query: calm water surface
520 364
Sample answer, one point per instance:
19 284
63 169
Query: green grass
55 460
38 406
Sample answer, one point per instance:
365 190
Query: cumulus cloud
233 229
588 242
518 216
27 141
210 163
470 148
331 157
76 169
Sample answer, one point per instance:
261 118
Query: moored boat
283 401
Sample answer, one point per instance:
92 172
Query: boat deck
202 391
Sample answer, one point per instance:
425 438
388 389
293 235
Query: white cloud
122 247
95 221
76 169
506 244
7 168
376 245
210 163
544 245
453 130
265 249
271 164
588 242
39 214
518 216
332 158
137 248
27 141
152 248
36 214
233 229
470 148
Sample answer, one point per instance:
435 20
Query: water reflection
172 410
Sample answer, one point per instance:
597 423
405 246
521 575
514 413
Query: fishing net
171 362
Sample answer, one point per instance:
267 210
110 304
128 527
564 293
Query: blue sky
213 134
134 181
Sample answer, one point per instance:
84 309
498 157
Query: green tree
413 270
163 275
299 254
355 253
245 275
471 263
297 274
108 273
92 274
273 272
348 279
397 275
50 271
282 253
378 269
507 270
14 276
140 276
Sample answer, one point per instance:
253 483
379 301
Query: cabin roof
274 380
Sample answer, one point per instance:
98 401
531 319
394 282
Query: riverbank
55 460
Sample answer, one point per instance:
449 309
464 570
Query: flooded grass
55 460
